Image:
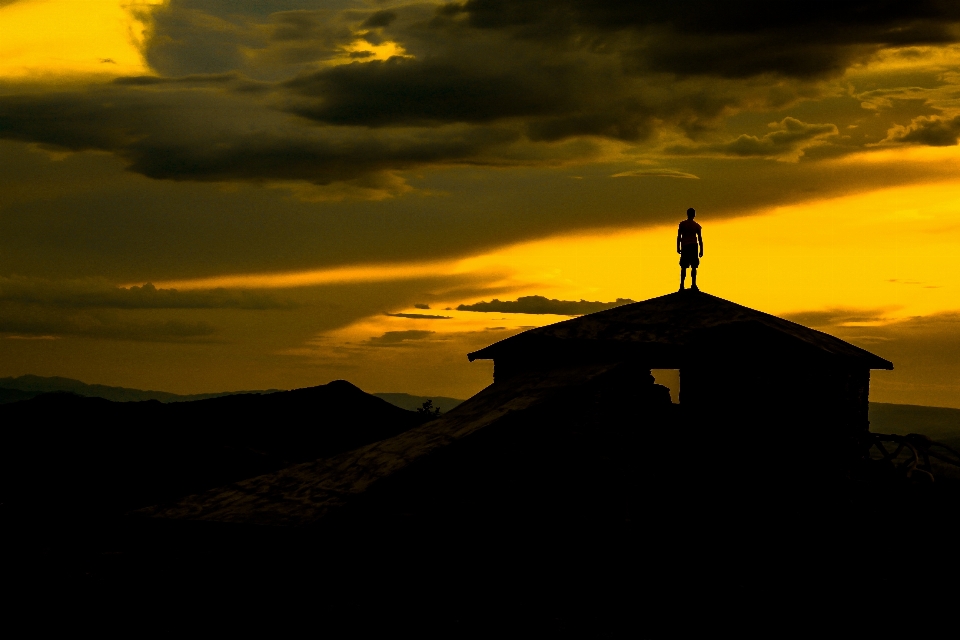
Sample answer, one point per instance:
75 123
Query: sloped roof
667 324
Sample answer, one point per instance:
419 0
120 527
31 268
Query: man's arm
678 239
700 238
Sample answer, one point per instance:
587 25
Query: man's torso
688 232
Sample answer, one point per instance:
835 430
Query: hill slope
412 403
62 452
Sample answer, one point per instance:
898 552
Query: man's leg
693 277
683 276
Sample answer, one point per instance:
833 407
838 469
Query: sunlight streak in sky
892 248
314 277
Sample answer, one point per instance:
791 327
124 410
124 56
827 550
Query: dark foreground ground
670 571
686 545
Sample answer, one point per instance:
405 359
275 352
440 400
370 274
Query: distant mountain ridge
15 389
29 386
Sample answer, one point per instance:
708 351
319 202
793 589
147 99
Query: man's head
691 212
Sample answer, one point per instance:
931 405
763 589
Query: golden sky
312 188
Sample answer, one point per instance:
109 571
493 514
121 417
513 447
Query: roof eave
487 353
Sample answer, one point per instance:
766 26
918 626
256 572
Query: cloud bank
350 96
542 305
94 293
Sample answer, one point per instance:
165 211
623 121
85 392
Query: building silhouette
574 433
736 364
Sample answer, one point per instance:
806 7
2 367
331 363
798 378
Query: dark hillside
302 424
15 395
407 401
65 455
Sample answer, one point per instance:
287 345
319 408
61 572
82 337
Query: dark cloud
486 82
742 39
655 173
260 8
397 338
98 294
482 77
301 38
474 100
380 19
209 136
789 137
28 321
697 16
184 41
419 316
542 305
413 92
934 132
188 37
92 308
200 79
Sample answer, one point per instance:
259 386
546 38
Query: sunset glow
56 38
323 184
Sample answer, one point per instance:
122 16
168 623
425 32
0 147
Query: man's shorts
689 256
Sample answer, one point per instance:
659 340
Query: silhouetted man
688 239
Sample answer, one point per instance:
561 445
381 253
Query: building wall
751 391
775 424
814 398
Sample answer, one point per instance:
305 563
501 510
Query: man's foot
694 288
681 287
